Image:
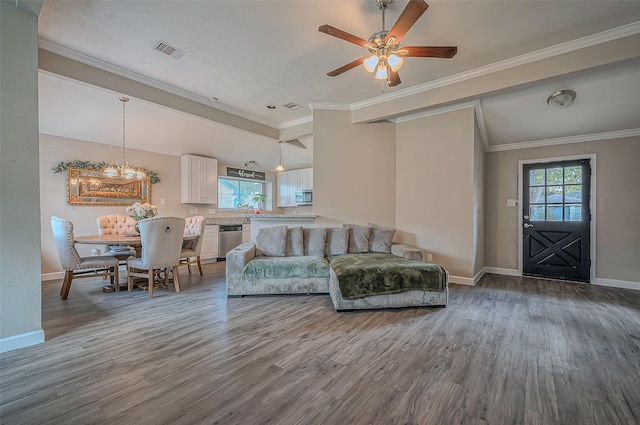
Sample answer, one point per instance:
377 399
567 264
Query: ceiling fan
386 55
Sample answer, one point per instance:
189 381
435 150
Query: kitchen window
232 192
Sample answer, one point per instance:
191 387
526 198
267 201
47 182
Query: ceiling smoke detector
170 50
561 99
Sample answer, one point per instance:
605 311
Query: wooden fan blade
394 79
429 51
408 17
328 29
347 67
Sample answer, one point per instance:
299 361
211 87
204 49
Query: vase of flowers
141 211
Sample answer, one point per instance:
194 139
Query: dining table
132 240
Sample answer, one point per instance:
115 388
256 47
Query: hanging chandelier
280 167
124 170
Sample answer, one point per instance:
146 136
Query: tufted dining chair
161 246
74 265
191 249
117 225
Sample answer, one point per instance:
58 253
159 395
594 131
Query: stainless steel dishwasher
230 236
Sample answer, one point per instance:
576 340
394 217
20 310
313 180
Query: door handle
527 225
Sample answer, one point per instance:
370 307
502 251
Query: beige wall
435 164
53 190
478 200
354 170
19 201
617 204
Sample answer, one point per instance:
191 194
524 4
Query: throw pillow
358 238
271 241
337 241
381 238
295 247
314 239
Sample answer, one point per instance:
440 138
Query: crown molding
547 52
483 129
634 132
293 123
105 66
434 111
332 106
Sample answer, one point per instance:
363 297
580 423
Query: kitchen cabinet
289 182
287 186
209 248
305 179
198 180
246 233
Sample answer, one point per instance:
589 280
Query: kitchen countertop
226 220
278 216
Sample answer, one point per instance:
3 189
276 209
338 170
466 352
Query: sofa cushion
271 241
286 267
294 246
381 238
313 240
337 242
358 238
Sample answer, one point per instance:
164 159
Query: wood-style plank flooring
507 351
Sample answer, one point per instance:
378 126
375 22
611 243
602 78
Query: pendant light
124 170
280 167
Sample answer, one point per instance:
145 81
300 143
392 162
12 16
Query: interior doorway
556 219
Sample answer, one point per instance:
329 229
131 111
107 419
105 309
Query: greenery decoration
62 166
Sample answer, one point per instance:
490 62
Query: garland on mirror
62 166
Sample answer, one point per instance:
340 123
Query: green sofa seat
286 267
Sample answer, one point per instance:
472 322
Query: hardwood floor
508 351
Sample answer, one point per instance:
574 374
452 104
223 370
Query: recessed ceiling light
271 106
561 99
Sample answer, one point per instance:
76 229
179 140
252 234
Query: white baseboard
461 280
625 284
52 276
503 271
22 340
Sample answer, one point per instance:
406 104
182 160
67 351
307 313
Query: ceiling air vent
170 50
292 106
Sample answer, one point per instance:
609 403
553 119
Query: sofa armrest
407 251
238 257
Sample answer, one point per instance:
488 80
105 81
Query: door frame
592 206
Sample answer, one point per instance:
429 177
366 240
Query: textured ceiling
250 54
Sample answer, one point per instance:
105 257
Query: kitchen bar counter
258 221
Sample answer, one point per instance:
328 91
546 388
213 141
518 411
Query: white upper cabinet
286 189
199 180
305 179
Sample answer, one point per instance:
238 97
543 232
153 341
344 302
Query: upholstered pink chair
191 249
74 265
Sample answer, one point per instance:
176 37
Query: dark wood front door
556 220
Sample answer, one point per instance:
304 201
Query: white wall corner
22 340
481 125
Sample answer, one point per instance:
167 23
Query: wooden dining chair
191 249
75 266
161 239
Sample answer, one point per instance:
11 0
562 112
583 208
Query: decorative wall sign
90 187
246 174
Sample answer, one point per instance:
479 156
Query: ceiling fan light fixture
381 73
370 63
395 62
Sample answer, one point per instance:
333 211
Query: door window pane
573 212
572 175
554 176
536 213
554 194
536 195
536 177
573 193
554 212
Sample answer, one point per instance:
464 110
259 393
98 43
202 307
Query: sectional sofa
358 266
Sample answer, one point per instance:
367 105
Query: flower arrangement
142 211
